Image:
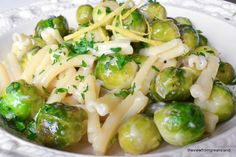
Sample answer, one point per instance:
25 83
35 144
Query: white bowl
214 17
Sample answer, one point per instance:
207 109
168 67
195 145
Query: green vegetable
183 21
189 36
203 41
180 123
156 10
115 72
84 14
20 103
59 125
139 135
164 30
172 84
204 50
60 23
220 102
225 73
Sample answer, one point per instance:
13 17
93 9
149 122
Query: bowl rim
10 22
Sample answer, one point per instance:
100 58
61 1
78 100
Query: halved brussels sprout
59 125
220 102
172 84
60 23
116 72
225 73
203 50
139 135
203 41
20 103
84 14
183 21
189 36
164 30
156 10
180 123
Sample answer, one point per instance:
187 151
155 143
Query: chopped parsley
123 93
42 71
14 87
83 93
61 90
79 77
56 57
121 60
132 89
84 64
99 11
155 68
108 10
20 126
116 50
74 86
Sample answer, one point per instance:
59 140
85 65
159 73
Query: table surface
10 4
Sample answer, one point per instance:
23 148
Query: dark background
234 1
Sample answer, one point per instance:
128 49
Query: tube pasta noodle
13 66
51 36
31 67
4 78
105 48
63 82
54 70
112 123
203 86
21 45
110 75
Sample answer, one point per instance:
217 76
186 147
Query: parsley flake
108 10
84 64
116 50
61 90
121 60
132 89
79 77
155 68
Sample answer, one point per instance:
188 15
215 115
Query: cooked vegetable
84 14
116 72
183 21
59 23
225 73
20 103
59 125
220 102
180 123
204 50
189 36
172 84
203 41
156 11
139 135
164 30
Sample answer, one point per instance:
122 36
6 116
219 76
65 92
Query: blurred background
10 4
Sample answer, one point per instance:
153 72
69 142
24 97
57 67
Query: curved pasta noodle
203 86
51 36
199 62
32 65
55 69
13 66
4 78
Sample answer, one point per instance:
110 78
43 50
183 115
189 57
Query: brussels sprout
204 50
225 73
135 22
20 103
100 12
180 123
59 23
59 125
84 14
139 59
183 21
139 135
116 72
220 102
203 41
189 36
172 84
164 30
156 10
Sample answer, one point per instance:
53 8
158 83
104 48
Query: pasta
127 74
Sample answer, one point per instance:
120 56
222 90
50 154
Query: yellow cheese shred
133 36
77 34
